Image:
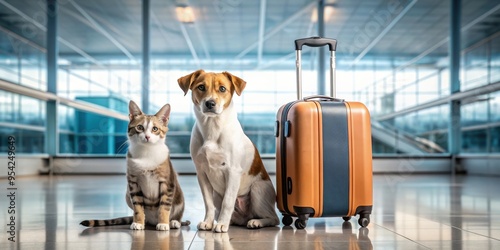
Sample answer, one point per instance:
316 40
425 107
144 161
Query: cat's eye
222 89
201 87
155 129
140 127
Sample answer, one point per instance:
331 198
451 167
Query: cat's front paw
255 224
137 226
174 224
221 228
162 227
205 225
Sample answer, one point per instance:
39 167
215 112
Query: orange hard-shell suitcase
323 153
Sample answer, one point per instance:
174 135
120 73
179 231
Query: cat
153 190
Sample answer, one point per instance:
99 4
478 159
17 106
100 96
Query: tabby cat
153 190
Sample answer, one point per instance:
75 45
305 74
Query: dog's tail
111 222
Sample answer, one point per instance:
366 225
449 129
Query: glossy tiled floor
410 212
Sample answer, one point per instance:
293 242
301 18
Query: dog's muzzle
210 106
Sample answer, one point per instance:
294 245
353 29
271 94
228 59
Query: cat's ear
164 114
185 82
133 110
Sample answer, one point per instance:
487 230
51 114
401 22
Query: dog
235 186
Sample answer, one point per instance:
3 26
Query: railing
395 91
411 108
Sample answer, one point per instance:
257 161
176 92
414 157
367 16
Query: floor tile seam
416 242
192 240
472 232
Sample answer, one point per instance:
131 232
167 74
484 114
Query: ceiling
249 34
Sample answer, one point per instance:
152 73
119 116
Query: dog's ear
238 83
186 81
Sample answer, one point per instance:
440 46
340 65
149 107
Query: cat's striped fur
153 190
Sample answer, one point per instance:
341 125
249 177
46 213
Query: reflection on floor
410 212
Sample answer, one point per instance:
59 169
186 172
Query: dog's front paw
255 224
221 228
162 227
174 224
137 226
204 225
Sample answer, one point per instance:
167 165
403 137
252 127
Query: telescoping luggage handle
315 42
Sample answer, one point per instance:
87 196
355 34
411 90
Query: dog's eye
222 89
140 127
155 129
201 87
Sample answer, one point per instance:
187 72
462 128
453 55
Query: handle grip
323 98
316 41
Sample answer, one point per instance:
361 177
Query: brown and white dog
235 185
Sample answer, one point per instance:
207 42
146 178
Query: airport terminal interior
428 71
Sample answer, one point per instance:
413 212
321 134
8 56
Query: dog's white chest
216 156
219 185
217 164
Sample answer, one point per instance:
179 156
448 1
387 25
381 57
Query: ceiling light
185 14
327 14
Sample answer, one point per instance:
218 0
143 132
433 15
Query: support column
146 51
51 132
454 131
321 57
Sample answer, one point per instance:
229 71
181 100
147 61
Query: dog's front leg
233 179
207 192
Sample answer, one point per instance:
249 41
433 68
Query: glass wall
86 133
24 118
393 95
24 63
405 90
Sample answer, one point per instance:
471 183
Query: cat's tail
117 221
111 222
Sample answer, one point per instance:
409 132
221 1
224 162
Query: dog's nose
210 104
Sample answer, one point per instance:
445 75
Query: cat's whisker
122 146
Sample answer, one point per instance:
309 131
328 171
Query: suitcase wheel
300 224
287 220
346 218
364 220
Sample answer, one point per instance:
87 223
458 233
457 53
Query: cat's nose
147 138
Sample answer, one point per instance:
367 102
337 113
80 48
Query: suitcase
323 153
